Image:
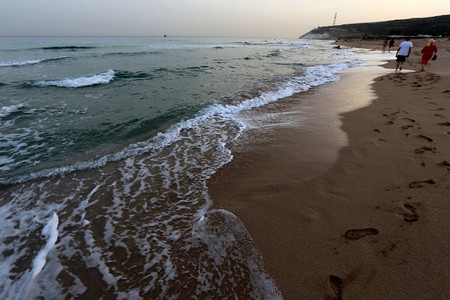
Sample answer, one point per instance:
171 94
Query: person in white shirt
403 52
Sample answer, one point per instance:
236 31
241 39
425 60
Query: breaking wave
8 110
313 76
29 62
91 80
77 82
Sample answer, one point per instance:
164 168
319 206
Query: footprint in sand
424 137
388 249
420 184
406 127
445 164
411 124
391 116
398 77
425 149
411 215
335 283
424 80
430 79
444 124
356 234
409 120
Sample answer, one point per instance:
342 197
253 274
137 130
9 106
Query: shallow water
106 147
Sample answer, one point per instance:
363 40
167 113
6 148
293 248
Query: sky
227 18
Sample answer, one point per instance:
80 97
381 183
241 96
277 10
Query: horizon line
158 36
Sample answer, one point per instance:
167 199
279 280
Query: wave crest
29 62
8 110
76 82
313 76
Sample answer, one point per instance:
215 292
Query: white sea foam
76 82
7 110
51 232
154 206
314 76
29 62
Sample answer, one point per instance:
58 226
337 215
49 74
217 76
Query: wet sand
354 204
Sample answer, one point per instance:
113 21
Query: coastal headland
438 26
355 206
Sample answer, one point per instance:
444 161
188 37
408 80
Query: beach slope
367 215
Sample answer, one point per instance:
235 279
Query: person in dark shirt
391 44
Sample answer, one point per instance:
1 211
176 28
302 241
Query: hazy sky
253 18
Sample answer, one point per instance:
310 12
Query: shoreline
369 221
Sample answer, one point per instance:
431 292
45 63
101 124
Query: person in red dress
428 52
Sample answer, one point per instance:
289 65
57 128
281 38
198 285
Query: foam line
28 62
76 82
7 110
51 231
314 76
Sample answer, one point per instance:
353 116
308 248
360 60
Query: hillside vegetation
432 26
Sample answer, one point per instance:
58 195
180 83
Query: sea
106 147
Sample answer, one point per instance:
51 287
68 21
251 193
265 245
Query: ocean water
106 146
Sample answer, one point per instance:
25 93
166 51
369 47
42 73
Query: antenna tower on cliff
335 16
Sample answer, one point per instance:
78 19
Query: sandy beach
354 205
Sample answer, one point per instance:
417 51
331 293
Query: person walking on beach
391 43
403 52
428 52
385 43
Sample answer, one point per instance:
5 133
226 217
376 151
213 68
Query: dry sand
363 214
